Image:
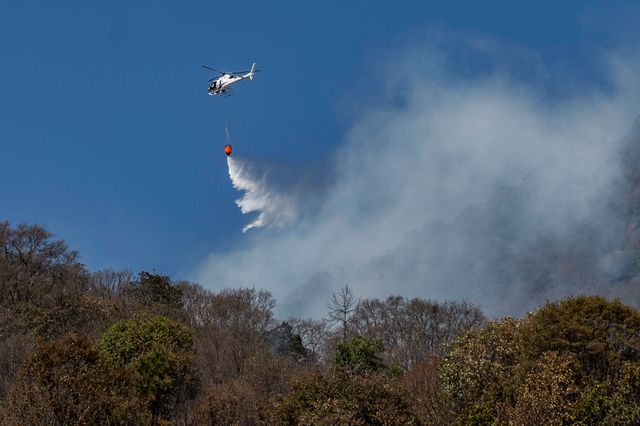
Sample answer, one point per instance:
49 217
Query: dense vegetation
109 347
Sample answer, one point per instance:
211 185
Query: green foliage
563 364
360 390
156 289
317 399
358 355
157 371
547 394
126 341
69 382
66 313
477 371
624 404
159 353
601 334
592 405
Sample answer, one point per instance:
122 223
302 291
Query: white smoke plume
273 207
453 187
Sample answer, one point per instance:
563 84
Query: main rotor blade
241 72
227 72
212 69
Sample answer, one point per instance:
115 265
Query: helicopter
221 85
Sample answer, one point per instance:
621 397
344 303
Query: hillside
172 352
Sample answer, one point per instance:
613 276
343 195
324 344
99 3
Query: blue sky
110 141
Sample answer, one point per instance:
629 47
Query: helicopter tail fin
252 72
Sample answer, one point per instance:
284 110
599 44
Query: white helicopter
221 85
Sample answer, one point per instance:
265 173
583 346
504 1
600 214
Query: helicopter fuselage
221 84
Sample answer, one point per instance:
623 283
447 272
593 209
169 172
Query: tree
413 330
248 399
284 342
197 304
76 313
360 389
477 371
547 395
244 308
317 399
234 326
33 266
315 336
358 356
601 334
231 403
14 349
567 362
429 402
154 289
68 382
42 283
340 308
624 405
110 284
159 352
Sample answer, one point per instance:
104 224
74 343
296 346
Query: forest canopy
112 347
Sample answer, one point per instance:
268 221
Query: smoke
274 208
456 186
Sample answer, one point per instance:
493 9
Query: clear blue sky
110 141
